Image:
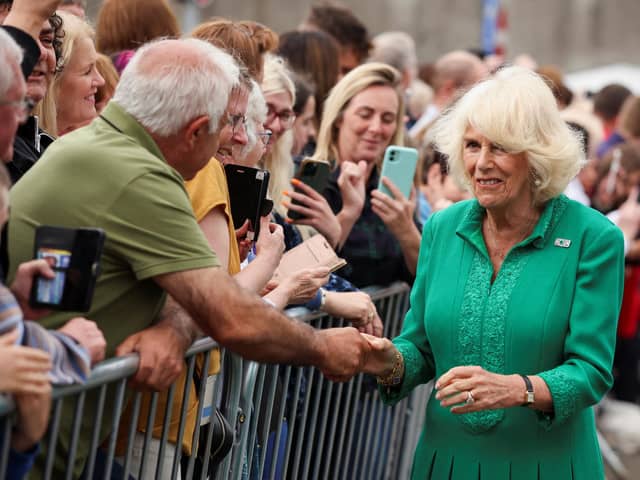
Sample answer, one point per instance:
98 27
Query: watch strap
529 396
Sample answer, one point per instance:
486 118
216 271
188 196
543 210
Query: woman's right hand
270 243
382 356
23 370
352 182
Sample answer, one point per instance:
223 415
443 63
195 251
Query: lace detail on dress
564 392
481 338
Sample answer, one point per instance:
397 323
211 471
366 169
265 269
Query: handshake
347 352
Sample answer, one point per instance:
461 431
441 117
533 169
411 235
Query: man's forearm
174 316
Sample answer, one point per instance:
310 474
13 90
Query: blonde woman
70 103
362 117
516 300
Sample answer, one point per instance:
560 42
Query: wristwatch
529 396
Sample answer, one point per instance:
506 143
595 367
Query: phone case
247 194
314 173
399 166
76 256
313 252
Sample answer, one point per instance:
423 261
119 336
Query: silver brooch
562 242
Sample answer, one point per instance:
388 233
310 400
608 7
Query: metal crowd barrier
289 422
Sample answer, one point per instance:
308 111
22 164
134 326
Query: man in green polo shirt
124 173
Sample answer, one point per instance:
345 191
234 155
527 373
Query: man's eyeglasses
235 121
23 107
287 117
265 137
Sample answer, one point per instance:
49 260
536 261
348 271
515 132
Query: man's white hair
10 59
164 96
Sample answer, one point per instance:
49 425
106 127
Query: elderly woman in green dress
514 308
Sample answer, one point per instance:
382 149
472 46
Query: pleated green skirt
520 447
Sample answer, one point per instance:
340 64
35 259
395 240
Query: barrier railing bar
6 446
201 398
196 432
321 452
293 418
54 427
281 415
151 418
303 424
183 415
117 412
273 371
343 431
75 431
332 430
255 405
133 427
165 431
240 458
352 422
93 445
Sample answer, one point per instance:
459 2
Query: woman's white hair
354 82
256 116
10 55
516 110
165 96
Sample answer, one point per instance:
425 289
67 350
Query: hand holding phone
315 174
399 166
74 255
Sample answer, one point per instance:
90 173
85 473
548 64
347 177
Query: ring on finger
470 398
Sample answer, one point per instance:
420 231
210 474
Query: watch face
530 397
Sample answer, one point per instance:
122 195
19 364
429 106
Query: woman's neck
505 222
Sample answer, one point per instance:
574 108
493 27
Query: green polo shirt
111 175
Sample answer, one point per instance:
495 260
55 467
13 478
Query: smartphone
399 166
74 254
314 173
248 189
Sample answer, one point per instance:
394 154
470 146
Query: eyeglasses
23 107
287 117
235 121
265 136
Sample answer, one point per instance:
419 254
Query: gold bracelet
395 377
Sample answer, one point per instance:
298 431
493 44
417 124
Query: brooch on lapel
562 242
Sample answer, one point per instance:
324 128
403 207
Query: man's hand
23 370
303 285
29 16
161 348
161 357
87 334
21 286
33 418
346 352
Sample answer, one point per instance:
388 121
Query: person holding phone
377 233
516 301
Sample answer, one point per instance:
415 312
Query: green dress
551 311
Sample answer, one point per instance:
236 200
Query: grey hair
516 110
256 115
166 96
10 56
397 49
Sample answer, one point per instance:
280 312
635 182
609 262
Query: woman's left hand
397 212
315 211
472 389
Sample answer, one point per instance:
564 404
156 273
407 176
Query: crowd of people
519 237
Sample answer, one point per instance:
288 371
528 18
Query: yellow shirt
207 190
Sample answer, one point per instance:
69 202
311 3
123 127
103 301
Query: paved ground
631 463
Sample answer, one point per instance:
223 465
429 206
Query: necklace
500 247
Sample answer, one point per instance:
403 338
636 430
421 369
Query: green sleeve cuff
564 394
